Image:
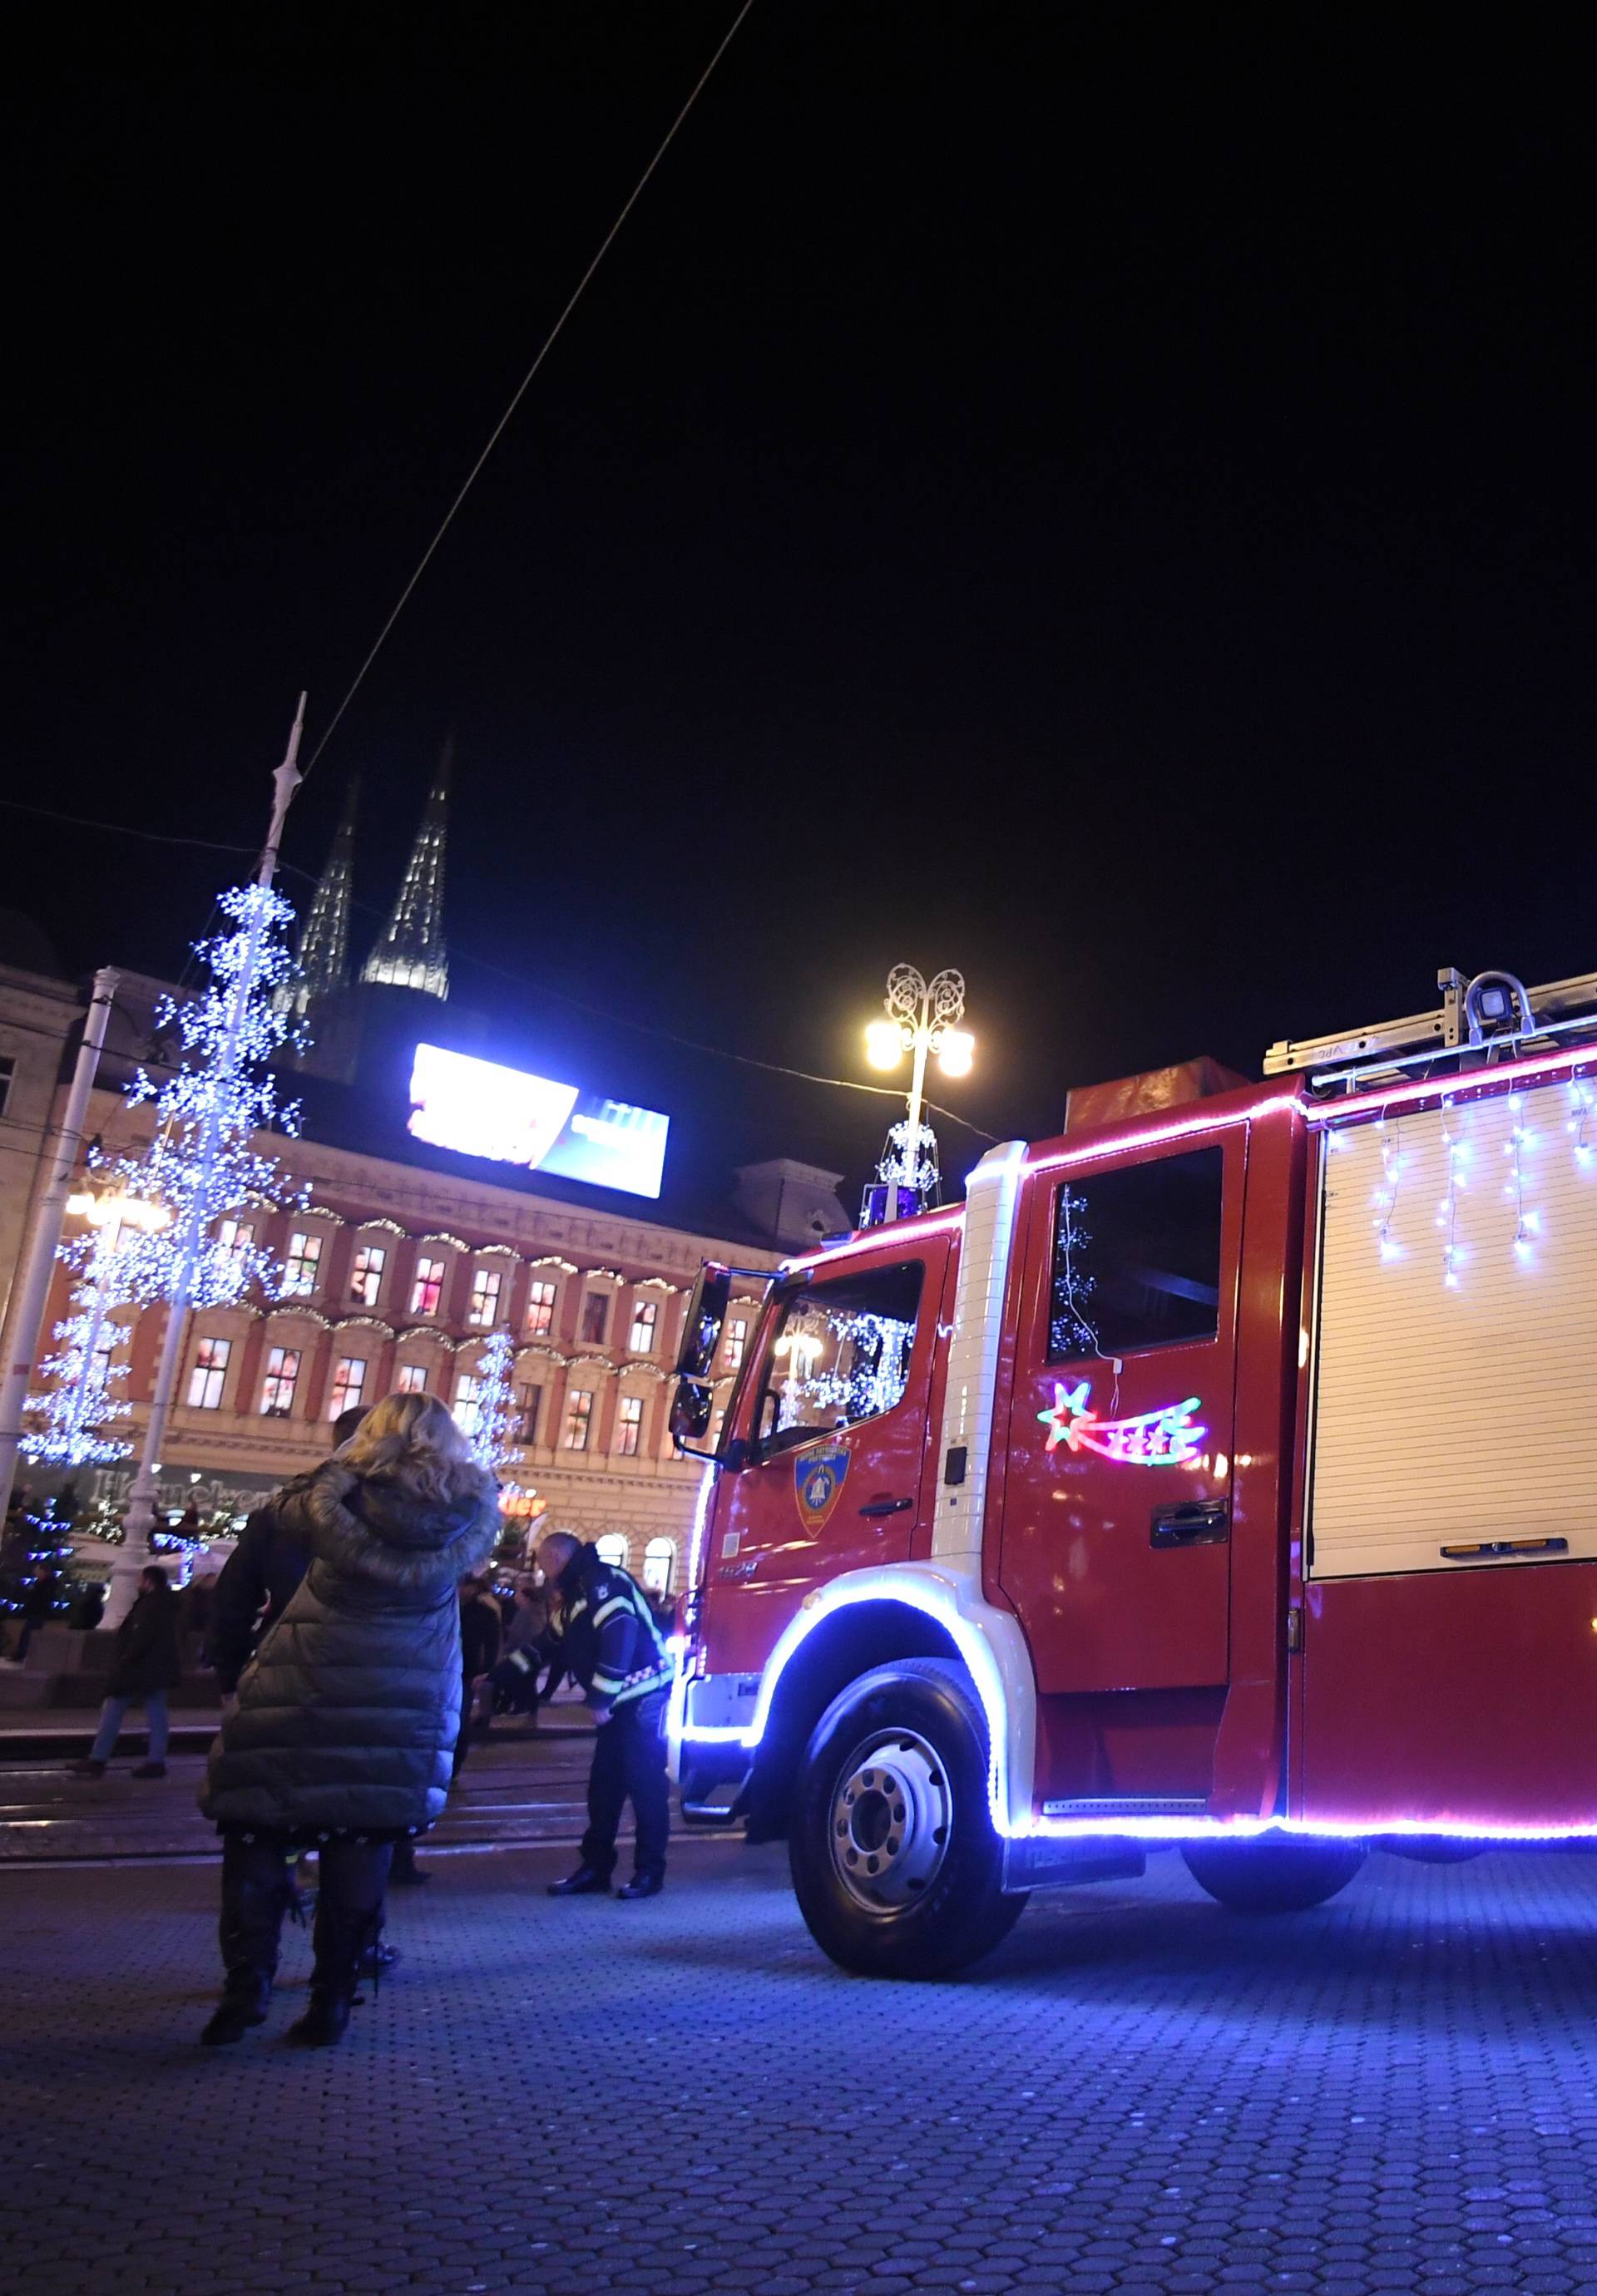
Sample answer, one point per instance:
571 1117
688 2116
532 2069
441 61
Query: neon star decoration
1167 1437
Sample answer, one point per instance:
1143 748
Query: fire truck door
837 1472
1116 1516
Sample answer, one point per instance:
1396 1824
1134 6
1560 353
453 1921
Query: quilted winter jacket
347 1715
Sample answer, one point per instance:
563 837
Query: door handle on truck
1504 1546
1199 1522
886 1506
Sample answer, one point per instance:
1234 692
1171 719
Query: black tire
1272 1875
1429 1848
926 1899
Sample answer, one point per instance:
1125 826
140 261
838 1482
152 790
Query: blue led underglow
886 1586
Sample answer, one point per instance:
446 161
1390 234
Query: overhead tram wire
519 979
521 390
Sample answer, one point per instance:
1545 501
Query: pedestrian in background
148 1663
88 1607
481 1634
514 1680
39 1600
603 1630
196 1599
344 1723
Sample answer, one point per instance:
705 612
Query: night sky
1101 496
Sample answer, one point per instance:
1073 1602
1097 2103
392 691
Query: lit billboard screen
478 1108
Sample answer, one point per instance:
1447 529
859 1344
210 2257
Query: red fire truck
1220 1475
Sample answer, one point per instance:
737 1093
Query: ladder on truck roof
1491 1017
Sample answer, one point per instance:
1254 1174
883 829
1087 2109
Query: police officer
603 1632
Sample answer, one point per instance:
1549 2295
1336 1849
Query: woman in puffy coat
345 1720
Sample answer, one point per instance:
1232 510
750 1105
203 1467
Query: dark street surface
1138 2093
518 1787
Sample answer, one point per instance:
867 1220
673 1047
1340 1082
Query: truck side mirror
707 1305
690 1411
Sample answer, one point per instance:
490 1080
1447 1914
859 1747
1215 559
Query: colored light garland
1167 1437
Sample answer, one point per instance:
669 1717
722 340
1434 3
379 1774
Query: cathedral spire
324 954
410 951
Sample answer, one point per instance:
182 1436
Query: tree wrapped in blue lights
80 1401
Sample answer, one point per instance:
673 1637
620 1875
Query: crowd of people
358 1639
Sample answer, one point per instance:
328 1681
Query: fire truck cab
1217 1477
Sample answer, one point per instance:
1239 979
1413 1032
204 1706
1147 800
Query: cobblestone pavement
1139 2092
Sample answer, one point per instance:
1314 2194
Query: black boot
643 1885
346 1942
242 2004
586 1881
324 2023
405 1874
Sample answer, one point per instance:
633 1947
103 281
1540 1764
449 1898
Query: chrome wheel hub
891 1817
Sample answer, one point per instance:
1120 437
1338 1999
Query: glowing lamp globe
884 1046
958 1050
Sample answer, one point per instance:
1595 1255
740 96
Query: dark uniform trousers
628 1764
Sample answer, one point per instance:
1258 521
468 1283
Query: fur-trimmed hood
381 1529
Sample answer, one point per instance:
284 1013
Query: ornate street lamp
921 1019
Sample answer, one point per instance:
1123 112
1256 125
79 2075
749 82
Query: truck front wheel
1272 1875
896 1865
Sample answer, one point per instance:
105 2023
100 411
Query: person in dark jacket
88 1607
39 1600
148 1663
481 1632
261 1573
514 1679
255 1588
603 1631
345 1719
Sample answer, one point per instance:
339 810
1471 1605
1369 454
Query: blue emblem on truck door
818 1480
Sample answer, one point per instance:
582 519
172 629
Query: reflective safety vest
603 1633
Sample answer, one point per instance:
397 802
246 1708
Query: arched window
613 1550
658 1565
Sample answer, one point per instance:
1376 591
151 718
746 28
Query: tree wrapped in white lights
201 1164
494 1418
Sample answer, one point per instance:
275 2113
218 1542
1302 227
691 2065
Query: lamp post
32 1287
921 1018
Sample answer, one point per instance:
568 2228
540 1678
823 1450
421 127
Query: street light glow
883 1044
958 1050
119 1211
